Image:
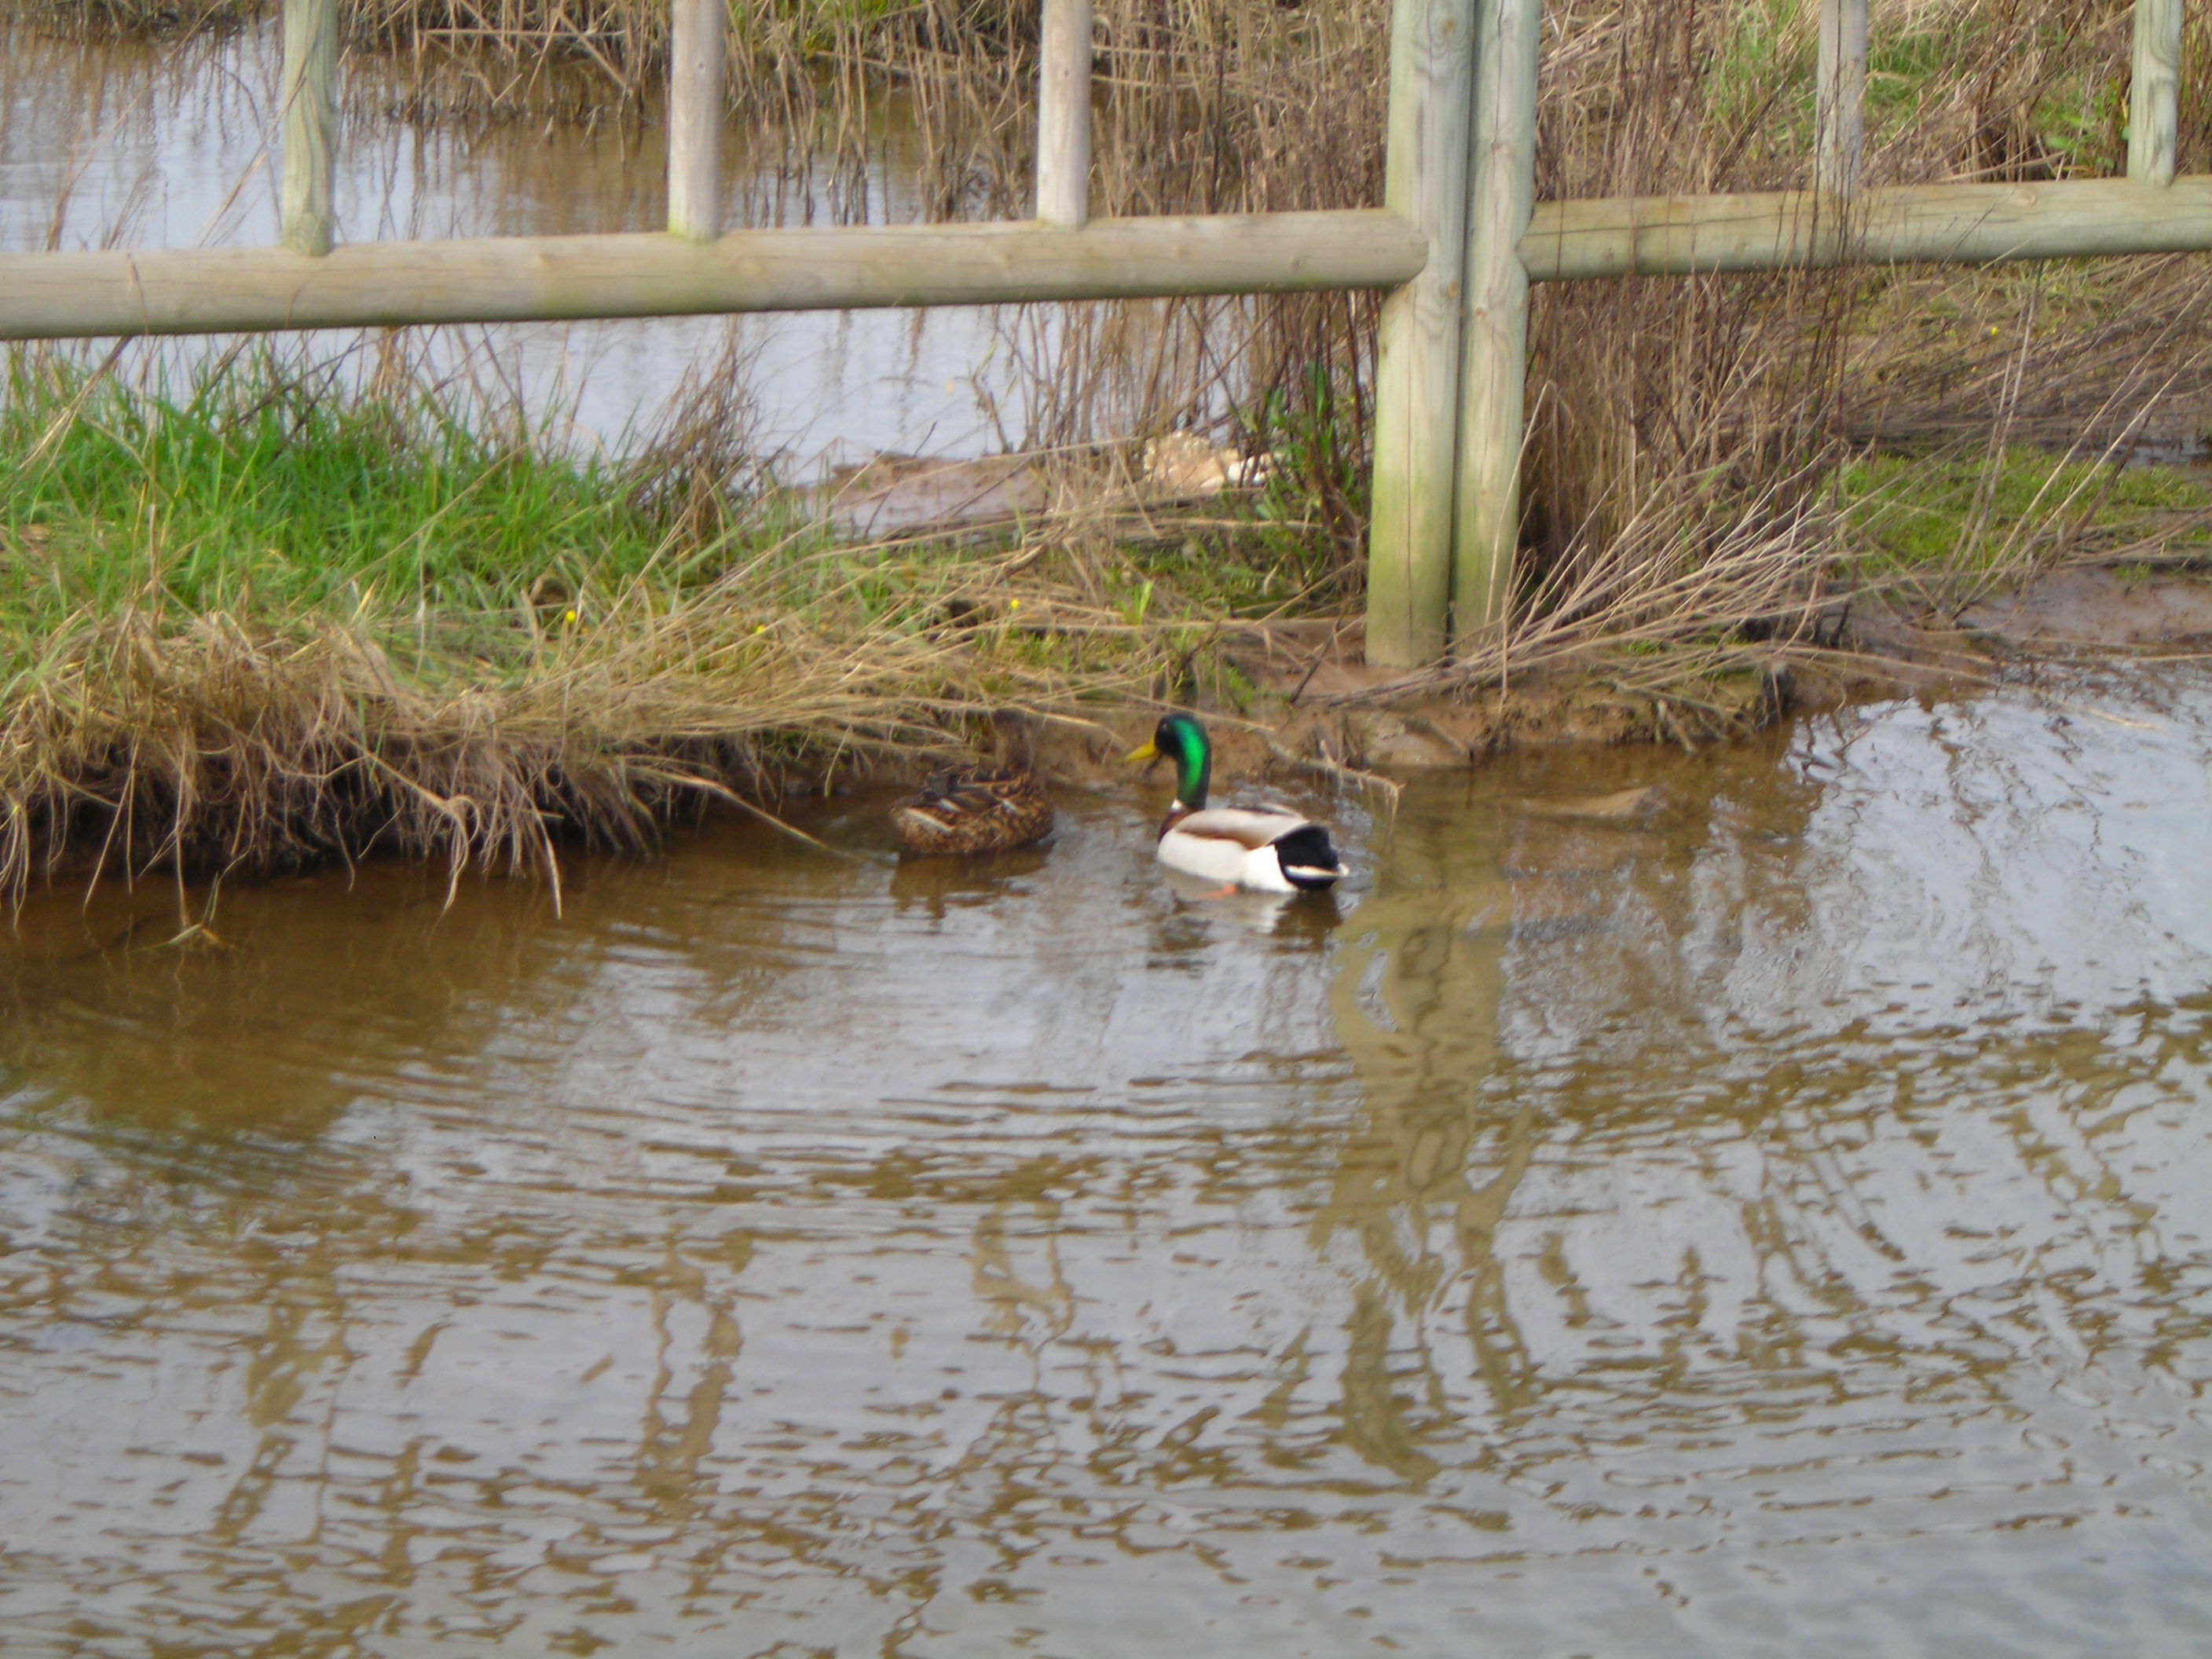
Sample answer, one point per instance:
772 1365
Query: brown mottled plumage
977 810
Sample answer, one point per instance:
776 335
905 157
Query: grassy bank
287 612
277 614
294 612
301 611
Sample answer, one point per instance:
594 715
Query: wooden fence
1455 246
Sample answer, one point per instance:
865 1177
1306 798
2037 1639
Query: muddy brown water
1776 1221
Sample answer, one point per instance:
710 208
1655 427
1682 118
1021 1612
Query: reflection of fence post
1416 379
695 119
310 121
1839 97
2154 98
1493 383
1063 166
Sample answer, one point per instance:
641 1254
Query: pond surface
1777 1223
124 144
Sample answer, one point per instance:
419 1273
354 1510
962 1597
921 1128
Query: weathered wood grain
1409 546
1494 379
1966 224
695 119
2154 93
1839 97
308 143
1063 167
531 278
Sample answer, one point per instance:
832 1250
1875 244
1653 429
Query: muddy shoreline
1315 712
1305 672
1303 728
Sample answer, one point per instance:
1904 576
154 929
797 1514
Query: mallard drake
1266 849
975 810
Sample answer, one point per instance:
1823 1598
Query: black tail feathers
1309 859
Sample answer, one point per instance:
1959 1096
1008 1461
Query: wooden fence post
2154 97
1493 383
695 119
310 117
1839 98
1063 167
1417 376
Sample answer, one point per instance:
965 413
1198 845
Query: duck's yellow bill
1150 751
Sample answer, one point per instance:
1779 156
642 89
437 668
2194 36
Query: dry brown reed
232 744
1687 435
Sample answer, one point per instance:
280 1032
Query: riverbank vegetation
286 611
296 606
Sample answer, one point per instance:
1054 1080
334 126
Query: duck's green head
1182 740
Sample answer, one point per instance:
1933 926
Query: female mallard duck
976 810
1268 849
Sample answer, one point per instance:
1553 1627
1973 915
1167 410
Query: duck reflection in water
1310 919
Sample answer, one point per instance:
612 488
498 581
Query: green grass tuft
1960 512
279 498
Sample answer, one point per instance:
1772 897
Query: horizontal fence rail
509 279
1454 248
1966 224
551 278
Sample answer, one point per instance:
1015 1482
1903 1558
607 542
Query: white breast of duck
1270 852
